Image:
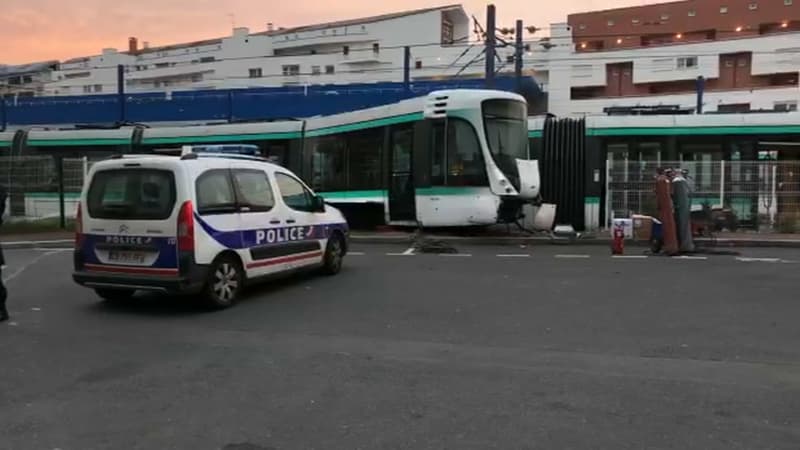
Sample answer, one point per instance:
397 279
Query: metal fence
756 195
34 187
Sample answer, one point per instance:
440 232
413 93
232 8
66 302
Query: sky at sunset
36 30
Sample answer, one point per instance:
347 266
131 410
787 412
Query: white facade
363 50
561 68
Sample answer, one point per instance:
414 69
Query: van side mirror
318 204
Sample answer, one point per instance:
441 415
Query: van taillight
78 227
186 227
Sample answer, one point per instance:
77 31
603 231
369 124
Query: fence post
608 193
774 209
61 211
722 184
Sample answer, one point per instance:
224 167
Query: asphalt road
496 347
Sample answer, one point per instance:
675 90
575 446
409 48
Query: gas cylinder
618 241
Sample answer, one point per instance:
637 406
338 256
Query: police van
207 222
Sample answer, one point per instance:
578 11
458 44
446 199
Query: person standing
3 292
665 211
682 198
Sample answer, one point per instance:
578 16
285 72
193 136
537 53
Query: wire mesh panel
761 195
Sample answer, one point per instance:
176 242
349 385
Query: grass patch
36 226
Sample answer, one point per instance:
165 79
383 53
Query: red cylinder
618 241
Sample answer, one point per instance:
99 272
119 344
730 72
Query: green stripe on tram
5 143
76 142
704 131
220 138
412 117
382 194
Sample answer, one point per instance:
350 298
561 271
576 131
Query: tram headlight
503 182
508 190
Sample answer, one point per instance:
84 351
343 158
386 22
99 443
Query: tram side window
364 149
437 154
465 165
329 164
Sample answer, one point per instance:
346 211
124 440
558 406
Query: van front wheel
225 280
334 255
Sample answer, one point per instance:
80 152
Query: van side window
253 190
215 192
294 194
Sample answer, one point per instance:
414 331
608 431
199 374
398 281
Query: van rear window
131 194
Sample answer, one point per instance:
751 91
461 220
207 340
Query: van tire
225 282
114 295
334 255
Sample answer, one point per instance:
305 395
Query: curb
476 240
17 245
536 240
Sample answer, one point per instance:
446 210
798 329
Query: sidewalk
61 239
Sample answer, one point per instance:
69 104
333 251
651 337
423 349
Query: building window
207 59
98 88
582 26
316 70
418 64
87 89
723 10
688 62
692 13
611 22
291 70
197 77
635 21
346 50
376 48
665 17
752 6
788 105
787 2
256 73
330 70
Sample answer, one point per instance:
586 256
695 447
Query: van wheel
334 255
114 295
224 283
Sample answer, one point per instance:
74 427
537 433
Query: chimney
270 27
145 45
133 45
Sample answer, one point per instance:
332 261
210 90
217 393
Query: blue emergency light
231 149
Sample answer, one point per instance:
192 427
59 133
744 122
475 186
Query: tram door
402 205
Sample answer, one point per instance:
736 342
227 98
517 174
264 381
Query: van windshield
131 194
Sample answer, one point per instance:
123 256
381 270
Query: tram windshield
506 127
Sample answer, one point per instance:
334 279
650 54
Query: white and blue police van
207 222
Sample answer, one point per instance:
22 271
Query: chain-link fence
33 187
757 195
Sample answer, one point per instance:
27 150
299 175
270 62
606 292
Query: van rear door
129 221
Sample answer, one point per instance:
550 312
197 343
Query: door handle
290 221
274 221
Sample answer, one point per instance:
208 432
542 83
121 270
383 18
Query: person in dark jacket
3 291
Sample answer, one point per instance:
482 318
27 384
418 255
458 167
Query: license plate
126 257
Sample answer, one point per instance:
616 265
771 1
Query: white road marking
514 255
699 258
629 256
574 256
455 254
400 254
769 260
36 309
34 261
409 251
54 249
356 253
